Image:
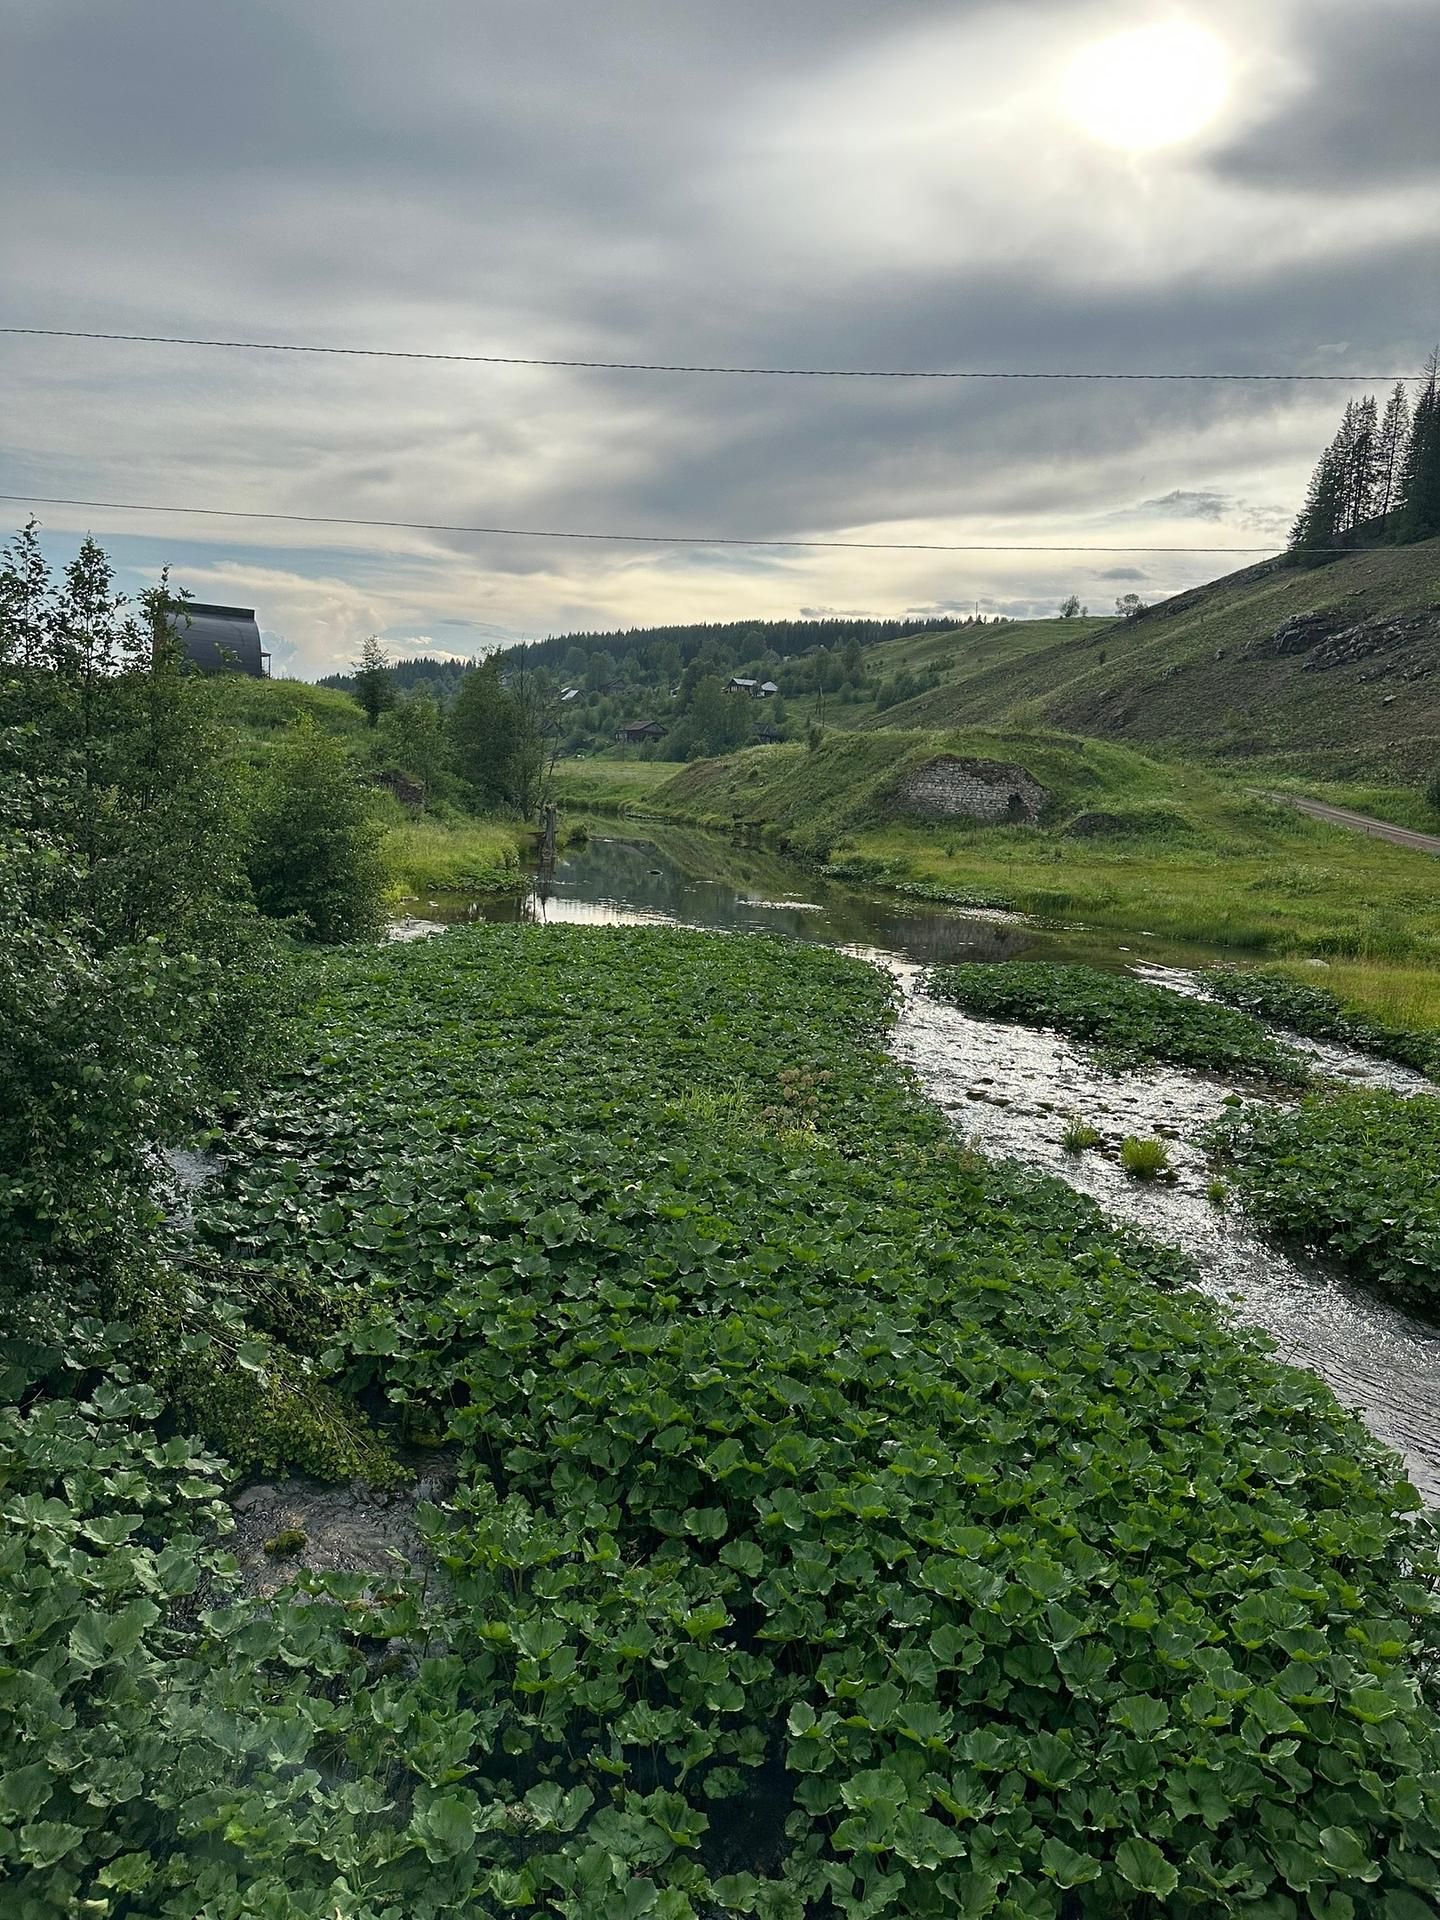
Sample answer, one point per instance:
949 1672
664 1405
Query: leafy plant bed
844 1525
1320 1015
1357 1175
1126 1022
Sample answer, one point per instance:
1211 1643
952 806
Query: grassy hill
1200 674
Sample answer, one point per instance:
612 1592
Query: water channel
1010 1089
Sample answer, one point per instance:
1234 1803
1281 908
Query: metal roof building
220 639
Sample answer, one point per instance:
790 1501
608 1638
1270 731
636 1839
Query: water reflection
670 877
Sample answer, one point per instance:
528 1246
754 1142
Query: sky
1112 185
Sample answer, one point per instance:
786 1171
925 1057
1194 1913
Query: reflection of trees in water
707 881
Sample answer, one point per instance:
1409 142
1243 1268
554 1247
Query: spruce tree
1394 445
374 688
1419 517
1318 523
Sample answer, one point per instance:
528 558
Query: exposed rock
1305 630
1368 637
352 1528
949 788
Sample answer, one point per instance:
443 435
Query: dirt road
1361 823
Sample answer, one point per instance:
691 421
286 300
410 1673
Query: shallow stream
1010 1089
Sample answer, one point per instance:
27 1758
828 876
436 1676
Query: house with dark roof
639 731
218 639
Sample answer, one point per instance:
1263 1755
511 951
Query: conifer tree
1393 446
374 688
1318 523
1419 517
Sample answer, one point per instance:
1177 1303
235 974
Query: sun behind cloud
1152 87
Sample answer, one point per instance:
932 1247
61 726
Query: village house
753 689
639 731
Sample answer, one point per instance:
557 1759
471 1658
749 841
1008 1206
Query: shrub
1127 1022
314 842
1079 1135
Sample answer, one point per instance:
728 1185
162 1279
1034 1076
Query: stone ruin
952 788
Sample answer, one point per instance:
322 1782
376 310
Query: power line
628 539
661 366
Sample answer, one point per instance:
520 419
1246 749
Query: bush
314 842
1355 1175
1127 1022
1079 1136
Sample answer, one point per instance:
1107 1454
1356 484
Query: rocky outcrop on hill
1330 638
1385 634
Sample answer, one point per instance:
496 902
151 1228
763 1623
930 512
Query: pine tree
1317 525
1419 517
1361 488
1393 446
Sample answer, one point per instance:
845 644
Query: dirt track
1361 823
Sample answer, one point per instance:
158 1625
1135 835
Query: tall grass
481 856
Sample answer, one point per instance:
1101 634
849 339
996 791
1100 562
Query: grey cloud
1183 505
836 613
542 179
1122 573
1368 114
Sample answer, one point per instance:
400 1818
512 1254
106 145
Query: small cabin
639 732
753 689
217 639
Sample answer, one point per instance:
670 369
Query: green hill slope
1357 696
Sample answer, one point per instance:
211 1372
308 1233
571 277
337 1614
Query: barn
220 639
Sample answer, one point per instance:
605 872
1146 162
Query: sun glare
1152 87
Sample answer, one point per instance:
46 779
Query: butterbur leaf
1143 1864
1065 1866
446 1826
24 1791
1344 1850
129 1873
89 1642
126 1629
736 1892
46 1841
1142 1713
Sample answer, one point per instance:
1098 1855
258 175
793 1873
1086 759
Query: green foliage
1126 1022
374 690
855 1526
1144 1159
99 1064
1079 1135
1355 1175
1319 1014
504 733
314 842
410 738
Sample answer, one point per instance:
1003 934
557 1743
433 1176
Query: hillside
1355 695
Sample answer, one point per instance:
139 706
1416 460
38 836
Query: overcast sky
776 182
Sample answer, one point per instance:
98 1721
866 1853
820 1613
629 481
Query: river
1010 1089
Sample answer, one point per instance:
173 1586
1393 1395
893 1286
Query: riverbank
1185 856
